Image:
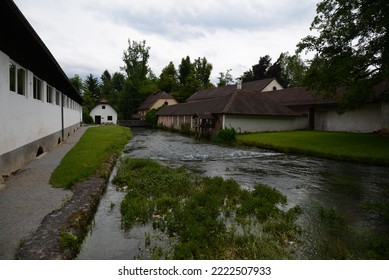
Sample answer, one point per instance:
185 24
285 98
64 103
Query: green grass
358 147
87 157
207 218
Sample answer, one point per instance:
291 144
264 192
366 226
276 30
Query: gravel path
28 197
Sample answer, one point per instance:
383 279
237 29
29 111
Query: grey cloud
182 21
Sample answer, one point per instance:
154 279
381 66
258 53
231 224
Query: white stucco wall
366 119
104 113
24 119
244 123
385 115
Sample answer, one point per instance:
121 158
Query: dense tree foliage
192 77
351 50
168 80
76 81
139 80
288 70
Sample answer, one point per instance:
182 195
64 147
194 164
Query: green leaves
351 49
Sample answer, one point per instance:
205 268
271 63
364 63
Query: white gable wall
273 84
104 113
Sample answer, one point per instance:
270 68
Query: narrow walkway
28 197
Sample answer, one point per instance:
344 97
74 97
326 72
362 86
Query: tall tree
168 80
139 80
188 82
203 71
351 50
106 85
225 78
136 59
76 81
185 69
92 87
258 71
293 69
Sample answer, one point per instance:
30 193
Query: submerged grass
89 154
208 218
358 147
334 238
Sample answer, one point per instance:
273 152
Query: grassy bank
89 154
203 218
358 147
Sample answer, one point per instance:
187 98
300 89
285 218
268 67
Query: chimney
239 83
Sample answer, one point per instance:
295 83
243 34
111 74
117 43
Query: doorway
97 119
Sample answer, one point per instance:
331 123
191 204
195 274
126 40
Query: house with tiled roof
242 107
104 113
263 106
155 101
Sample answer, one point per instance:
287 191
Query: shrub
227 135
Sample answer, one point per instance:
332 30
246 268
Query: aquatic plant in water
205 218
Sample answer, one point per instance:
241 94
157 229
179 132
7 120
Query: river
311 183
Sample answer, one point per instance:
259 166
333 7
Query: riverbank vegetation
357 147
204 218
93 149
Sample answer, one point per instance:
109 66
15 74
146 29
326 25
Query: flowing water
311 183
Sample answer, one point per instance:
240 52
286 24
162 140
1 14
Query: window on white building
49 94
17 78
37 88
57 98
21 77
110 118
12 77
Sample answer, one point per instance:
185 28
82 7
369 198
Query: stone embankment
61 232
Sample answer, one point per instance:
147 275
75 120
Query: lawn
358 147
94 148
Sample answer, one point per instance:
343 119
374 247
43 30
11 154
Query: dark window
37 90
57 98
12 77
49 96
110 118
21 81
103 107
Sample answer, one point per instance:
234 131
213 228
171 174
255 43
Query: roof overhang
23 45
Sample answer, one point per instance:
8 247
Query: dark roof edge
76 95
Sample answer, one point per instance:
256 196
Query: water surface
309 182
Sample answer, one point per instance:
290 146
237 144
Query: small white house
104 113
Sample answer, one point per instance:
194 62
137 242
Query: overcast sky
89 36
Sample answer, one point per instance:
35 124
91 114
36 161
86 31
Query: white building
104 113
39 107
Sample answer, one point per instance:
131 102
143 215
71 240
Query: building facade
104 113
39 107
